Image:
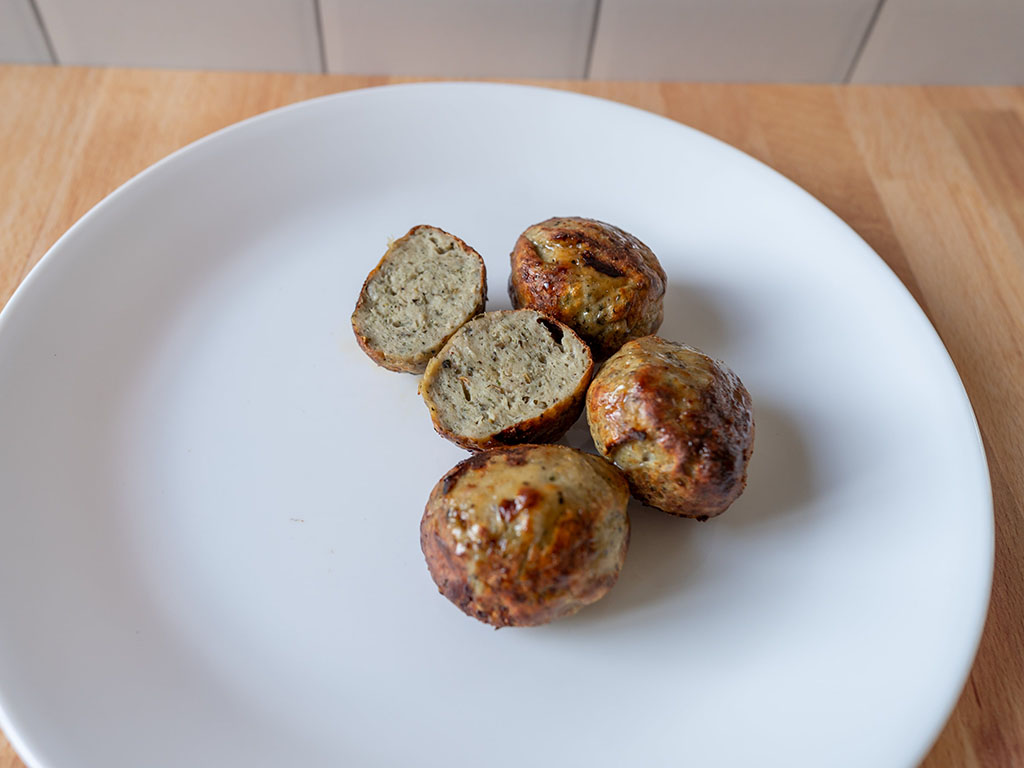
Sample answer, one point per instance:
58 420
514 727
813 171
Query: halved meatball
508 377
426 286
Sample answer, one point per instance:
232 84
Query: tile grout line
593 39
868 30
318 11
45 32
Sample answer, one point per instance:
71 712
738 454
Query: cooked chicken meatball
678 423
508 377
521 536
426 286
599 280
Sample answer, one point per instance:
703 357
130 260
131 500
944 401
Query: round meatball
521 536
678 423
599 280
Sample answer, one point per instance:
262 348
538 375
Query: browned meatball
599 280
677 422
521 536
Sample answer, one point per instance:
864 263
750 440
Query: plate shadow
692 318
781 478
664 557
661 561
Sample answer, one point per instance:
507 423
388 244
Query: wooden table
932 178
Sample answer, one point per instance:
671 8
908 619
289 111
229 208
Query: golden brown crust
596 278
378 356
548 427
521 536
405 364
678 423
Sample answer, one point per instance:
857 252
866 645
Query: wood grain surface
932 178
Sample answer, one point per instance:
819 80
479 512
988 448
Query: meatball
677 422
521 536
514 376
428 284
599 280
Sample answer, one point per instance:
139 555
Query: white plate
209 551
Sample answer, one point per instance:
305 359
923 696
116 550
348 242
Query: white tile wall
744 40
911 41
21 39
945 41
195 34
458 38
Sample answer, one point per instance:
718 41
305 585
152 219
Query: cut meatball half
427 285
507 377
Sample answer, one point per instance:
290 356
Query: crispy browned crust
545 428
532 555
596 278
679 423
417 364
